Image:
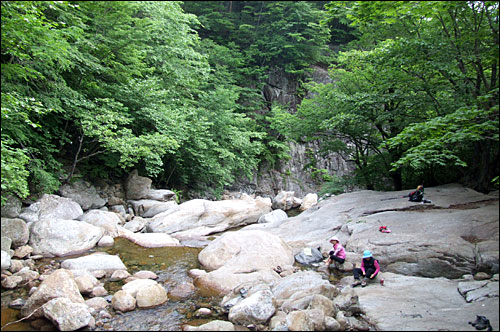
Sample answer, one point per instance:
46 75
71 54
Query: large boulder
67 315
238 257
52 207
420 304
286 200
136 186
94 262
12 207
109 221
60 237
149 240
84 194
455 234
17 230
59 283
196 218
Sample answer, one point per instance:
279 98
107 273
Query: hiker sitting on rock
418 195
369 269
337 255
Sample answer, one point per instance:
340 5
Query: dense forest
94 89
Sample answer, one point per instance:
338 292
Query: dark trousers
359 273
338 259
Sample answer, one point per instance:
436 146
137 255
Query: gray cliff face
294 174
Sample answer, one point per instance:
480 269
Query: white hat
334 238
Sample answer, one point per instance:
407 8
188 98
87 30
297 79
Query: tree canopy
95 89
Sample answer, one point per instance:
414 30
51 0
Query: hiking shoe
356 283
363 283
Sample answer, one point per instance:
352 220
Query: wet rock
481 276
86 283
66 315
203 312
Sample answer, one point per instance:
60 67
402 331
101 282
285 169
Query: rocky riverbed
131 258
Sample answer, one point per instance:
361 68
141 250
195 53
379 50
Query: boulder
60 237
215 325
255 309
5 260
11 207
109 221
66 315
454 235
59 283
136 186
308 201
123 301
149 240
84 194
17 230
135 225
274 216
158 208
237 257
52 207
199 217
151 296
95 261
434 304
286 200
162 195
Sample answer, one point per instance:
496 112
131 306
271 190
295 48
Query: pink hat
334 238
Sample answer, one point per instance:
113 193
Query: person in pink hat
336 255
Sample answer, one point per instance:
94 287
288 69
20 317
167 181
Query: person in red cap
336 255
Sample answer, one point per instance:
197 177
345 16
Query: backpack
416 196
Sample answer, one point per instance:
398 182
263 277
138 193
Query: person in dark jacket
418 195
369 269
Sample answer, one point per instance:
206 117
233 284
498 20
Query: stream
171 264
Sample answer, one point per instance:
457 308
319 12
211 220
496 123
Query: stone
83 193
60 237
136 186
215 325
256 308
150 296
109 221
106 241
145 275
119 275
17 230
67 315
274 216
123 301
59 283
95 261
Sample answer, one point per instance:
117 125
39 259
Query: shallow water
171 264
